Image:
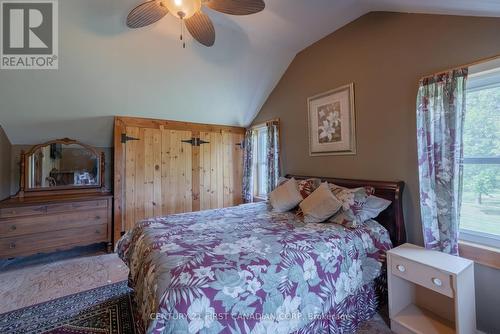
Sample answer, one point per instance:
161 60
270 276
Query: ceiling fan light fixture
182 9
191 17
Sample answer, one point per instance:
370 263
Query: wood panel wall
158 174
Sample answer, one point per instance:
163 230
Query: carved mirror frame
25 191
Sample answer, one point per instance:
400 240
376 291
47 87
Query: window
260 163
480 213
261 160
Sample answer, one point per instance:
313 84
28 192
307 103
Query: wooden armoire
164 167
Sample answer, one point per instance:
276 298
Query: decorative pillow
373 207
336 188
306 187
353 202
281 180
320 205
286 196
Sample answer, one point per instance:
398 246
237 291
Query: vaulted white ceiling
107 69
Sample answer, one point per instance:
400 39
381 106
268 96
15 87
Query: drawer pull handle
437 282
12 245
13 228
97 232
401 268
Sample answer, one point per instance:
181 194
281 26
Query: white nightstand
430 292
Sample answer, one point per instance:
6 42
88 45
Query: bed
247 269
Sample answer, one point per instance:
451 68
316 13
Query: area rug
36 283
104 310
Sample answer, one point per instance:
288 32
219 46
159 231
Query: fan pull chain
183 41
182 30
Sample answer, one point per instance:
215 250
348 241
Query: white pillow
320 205
373 207
286 196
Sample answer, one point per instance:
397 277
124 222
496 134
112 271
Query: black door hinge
195 141
191 141
126 138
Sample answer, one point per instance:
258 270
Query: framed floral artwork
332 123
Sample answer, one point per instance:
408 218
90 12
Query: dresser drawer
23 211
423 275
72 206
42 209
48 223
33 243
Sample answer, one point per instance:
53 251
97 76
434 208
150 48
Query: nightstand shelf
430 292
419 320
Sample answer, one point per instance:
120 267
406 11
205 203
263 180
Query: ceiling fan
189 12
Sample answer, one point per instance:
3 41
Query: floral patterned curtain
273 168
248 177
440 117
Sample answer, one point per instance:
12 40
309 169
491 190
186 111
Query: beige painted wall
384 54
5 154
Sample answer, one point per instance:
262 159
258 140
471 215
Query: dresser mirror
64 165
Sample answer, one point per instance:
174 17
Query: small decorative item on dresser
430 292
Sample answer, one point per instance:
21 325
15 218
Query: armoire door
158 174
221 169
165 167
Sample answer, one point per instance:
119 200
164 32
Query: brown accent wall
5 154
384 54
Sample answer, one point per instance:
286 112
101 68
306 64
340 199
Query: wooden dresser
44 224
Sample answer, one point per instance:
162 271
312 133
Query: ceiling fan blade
236 7
145 14
201 28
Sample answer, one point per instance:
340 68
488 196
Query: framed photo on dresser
332 123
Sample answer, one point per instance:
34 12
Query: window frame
480 238
257 164
483 76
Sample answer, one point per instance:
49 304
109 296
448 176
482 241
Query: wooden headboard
392 217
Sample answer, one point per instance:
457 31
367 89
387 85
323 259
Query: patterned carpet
105 310
32 284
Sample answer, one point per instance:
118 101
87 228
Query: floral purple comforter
245 269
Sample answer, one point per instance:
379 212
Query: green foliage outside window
481 182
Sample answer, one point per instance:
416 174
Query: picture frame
331 122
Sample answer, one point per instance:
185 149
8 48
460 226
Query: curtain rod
482 60
259 125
